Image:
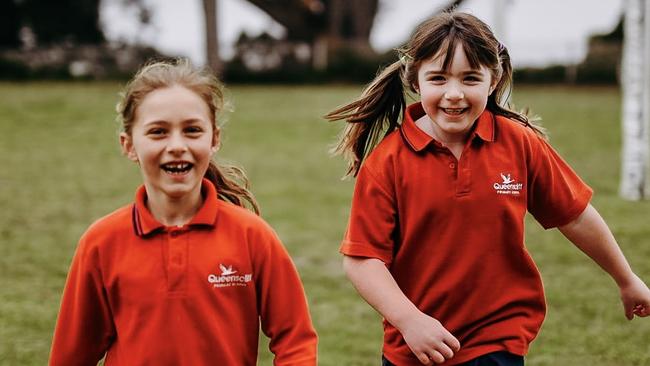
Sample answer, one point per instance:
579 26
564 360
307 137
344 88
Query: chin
179 190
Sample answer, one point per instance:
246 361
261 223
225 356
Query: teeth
176 167
453 110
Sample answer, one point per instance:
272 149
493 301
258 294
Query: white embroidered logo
508 186
229 278
506 179
226 271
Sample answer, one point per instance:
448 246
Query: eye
193 130
437 78
473 79
156 131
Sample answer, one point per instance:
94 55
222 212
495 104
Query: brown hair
230 181
377 111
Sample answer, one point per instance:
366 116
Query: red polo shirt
452 231
146 294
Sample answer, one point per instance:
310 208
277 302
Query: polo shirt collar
418 139
144 223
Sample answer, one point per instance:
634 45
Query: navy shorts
490 359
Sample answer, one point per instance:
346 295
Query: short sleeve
373 218
556 194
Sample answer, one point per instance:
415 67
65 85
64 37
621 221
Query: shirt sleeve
282 305
372 225
84 328
556 194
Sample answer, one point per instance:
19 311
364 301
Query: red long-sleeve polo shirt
452 231
146 294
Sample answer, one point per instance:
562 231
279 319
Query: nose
176 143
454 92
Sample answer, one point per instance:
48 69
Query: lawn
63 169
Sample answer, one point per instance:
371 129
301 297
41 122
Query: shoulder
118 223
386 151
516 135
241 220
245 229
511 127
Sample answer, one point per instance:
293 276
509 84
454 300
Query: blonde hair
377 111
231 182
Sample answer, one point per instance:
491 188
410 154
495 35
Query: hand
635 296
428 339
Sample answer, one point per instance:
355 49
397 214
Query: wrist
403 318
625 280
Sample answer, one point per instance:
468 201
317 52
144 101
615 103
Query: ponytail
232 185
371 117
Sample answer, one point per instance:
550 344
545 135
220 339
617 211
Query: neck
425 124
174 211
455 143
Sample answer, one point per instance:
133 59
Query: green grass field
63 169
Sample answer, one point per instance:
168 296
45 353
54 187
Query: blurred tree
326 25
63 20
210 11
636 100
329 26
9 24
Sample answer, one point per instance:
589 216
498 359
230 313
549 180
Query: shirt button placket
177 262
464 175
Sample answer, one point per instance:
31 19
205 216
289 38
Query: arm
283 307
424 335
84 327
590 233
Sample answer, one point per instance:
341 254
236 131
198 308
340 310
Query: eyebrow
164 122
441 72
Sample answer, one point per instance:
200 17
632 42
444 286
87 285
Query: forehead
172 103
456 60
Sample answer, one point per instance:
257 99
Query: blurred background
286 63
574 41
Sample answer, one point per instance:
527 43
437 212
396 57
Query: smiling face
453 99
172 139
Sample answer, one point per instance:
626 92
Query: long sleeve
283 307
84 328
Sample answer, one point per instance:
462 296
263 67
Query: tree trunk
211 36
636 100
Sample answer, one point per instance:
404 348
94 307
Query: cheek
205 148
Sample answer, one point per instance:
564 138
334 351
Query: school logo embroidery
229 277
226 271
508 185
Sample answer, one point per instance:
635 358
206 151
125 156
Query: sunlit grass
63 169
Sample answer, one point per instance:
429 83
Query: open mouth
177 168
454 111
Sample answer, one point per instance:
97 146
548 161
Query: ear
127 147
216 139
494 82
415 87
492 87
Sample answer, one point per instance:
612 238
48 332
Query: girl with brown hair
186 274
435 240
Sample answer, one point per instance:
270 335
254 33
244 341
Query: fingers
423 358
442 353
641 311
439 355
453 343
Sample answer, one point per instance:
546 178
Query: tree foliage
50 21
